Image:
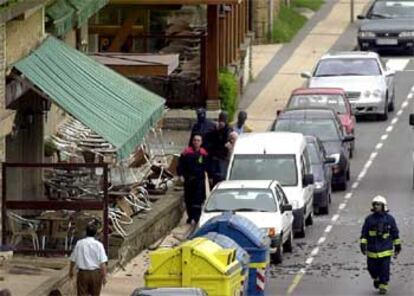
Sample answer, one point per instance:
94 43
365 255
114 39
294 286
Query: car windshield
324 129
392 9
336 102
314 154
265 167
242 200
348 67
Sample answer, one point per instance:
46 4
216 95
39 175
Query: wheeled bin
198 263
252 239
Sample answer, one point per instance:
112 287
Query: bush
228 92
287 24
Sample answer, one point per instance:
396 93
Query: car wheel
384 116
301 233
309 220
391 106
348 174
325 210
278 256
288 245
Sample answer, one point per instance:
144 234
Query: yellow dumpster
199 263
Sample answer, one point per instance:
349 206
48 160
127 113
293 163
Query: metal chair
22 227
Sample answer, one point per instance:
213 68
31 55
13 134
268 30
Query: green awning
60 17
86 8
118 109
64 15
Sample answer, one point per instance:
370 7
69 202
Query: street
328 260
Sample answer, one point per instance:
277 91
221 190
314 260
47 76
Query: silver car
368 84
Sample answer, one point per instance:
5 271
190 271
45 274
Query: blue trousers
379 269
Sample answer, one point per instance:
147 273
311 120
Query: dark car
334 98
169 292
325 125
388 25
322 174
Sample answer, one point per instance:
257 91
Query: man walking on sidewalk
90 259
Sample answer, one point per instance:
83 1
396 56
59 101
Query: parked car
368 85
334 98
169 292
282 157
322 174
324 124
388 25
262 202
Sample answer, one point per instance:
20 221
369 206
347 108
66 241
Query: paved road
327 261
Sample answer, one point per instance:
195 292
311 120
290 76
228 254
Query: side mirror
308 180
412 119
286 208
306 75
348 139
330 160
361 17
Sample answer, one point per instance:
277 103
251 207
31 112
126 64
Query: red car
326 97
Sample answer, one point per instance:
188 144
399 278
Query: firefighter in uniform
379 241
193 167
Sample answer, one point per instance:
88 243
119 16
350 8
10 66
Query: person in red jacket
193 166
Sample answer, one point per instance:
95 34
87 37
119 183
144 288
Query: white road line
368 164
315 252
355 185
335 217
348 195
389 129
328 228
309 261
384 137
404 104
394 121
362 175
379 145
399 112
410 96
373 155
321 240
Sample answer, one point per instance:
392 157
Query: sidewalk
322 37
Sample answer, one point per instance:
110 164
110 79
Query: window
324 129
265 167
335 102
348 67
242 200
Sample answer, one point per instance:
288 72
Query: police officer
193 166
379 241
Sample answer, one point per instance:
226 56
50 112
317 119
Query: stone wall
264 13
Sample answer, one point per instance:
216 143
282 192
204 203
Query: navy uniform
379 239
193 166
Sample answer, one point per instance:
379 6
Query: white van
278 156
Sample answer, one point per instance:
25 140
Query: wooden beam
124 31
108 30
232 39
222 42
212 55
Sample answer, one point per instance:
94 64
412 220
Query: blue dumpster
241 255
252 239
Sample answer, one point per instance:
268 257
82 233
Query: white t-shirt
88 254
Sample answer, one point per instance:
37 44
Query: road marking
315 251
328 228
348 195
379 145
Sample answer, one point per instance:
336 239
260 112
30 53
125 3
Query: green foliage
311 4
49 147
287 24
228 92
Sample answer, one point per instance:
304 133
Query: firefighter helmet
382 200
